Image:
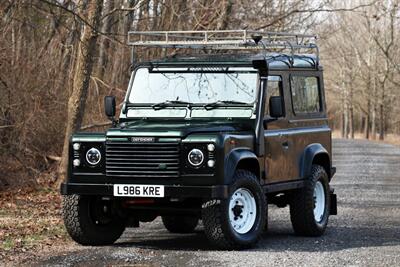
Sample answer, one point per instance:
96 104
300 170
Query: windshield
198 86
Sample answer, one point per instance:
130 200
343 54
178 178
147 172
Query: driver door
276 139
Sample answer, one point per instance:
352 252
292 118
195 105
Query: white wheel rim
319 201
242 211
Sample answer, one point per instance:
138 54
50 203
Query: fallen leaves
29 221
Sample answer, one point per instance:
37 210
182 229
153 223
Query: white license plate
138 190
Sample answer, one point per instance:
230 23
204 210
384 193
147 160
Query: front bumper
216 191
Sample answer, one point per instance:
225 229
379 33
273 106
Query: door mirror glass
109 106
275 107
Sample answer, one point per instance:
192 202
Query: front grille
139 160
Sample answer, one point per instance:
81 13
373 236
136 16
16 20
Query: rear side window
305 94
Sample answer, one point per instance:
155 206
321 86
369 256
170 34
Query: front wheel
236 222
91 220
310 206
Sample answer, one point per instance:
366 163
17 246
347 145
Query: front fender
310 153
232 160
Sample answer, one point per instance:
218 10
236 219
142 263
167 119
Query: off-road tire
180 224
302 205
81 226
215 215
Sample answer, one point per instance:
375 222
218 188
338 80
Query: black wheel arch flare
315 154
240 157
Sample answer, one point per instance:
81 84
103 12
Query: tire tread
302 205
212 211
79 227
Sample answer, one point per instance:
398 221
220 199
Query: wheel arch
315 154
240 159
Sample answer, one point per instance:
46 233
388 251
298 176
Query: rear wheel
91 220
236 222
180 224
309 208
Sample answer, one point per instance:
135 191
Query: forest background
59 58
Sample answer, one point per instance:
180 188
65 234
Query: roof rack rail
226 40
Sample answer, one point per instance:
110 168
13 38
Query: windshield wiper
219 103
168 103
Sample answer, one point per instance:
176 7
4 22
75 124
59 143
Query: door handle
285 145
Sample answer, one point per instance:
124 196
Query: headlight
211 147
93 156
196 157
211 163
76 146
76 162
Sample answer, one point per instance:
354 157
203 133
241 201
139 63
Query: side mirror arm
114 122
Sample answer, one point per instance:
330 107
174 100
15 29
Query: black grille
139 160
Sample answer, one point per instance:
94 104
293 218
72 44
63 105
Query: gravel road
365 233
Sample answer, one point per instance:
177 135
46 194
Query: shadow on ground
335 238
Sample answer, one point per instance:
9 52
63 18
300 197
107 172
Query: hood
177 128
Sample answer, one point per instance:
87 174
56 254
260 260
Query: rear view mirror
109 106
275 107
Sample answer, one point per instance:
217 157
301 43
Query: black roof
275 60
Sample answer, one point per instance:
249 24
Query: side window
274 88
305 94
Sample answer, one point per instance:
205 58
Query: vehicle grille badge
142 139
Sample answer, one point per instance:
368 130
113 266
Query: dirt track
365 233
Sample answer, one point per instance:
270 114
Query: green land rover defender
213 137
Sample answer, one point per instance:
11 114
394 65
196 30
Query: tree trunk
346 121
373 119
345 117
105 42
367 119
362 123
375 82
122 60
351 121
156 14
382 115
83 70
342 124
373 123
351 111
226 14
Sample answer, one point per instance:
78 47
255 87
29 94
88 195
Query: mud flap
333 210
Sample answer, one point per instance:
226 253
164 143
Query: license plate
138 190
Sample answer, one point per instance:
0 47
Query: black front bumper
217 191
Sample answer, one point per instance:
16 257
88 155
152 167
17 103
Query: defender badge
142 139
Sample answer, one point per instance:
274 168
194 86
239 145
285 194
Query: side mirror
109 106
275 107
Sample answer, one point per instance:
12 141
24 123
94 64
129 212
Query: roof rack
227 40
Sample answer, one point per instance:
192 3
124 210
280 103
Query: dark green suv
214 138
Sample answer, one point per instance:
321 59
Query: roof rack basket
281 42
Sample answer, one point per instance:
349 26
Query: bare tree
83 70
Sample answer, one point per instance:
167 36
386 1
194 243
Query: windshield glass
196 86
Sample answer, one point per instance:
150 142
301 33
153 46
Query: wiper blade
167 103
219 103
